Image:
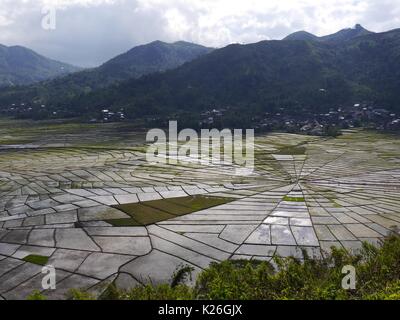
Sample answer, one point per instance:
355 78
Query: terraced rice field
85 200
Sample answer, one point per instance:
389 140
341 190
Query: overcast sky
89 32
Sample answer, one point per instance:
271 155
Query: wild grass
377 278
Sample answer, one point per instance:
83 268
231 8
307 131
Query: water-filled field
84 199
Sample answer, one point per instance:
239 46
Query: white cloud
91 31
219 22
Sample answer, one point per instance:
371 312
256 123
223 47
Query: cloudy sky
89 32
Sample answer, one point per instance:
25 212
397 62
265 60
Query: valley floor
62 187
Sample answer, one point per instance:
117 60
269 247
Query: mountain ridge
22 66
164 56
259 77
154 57
342 35
268 75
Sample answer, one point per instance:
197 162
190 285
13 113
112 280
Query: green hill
265 76
22 66
142 60
252 78
342 35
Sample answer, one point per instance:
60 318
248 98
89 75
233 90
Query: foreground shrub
377 276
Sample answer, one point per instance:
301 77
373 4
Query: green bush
377 278
36 296
75 294
377 275
149 292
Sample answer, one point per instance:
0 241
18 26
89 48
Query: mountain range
342 35
22 66
314 73
154 57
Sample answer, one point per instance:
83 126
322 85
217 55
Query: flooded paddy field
84 199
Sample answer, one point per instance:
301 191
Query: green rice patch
293 199
169 207
336 205
196 203
292 151
128 222
143 214
150 212
36 259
